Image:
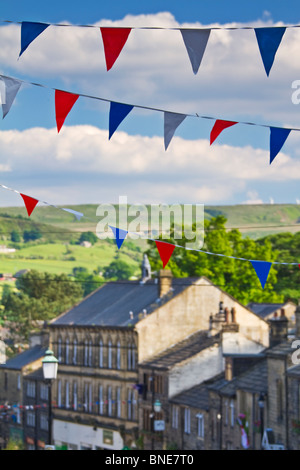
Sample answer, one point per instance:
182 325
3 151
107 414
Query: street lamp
261 404
50 364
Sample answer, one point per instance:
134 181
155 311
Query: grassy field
62 258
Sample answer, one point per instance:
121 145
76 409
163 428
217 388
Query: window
90 359
129 404
175 415
131 359
231 413
75 395
200 425
101 403
226 411
44 421
109 401
90 404
118 355
31 388
87 401
19 382
67 350
18 414
59 350
187 420
75 351
43 391
67 395
119 402
101 353
88 352
86 349
59 402
109 357
30 418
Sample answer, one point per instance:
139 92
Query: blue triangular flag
117 112
119 235
268 40
262 269
277 138
29 31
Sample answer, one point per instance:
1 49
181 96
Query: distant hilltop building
5 249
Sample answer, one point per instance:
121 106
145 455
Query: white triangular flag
11 89
195 41
171 122
78 215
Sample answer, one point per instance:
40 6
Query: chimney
278 328
165 282
297 319
228 368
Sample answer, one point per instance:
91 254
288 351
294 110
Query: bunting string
65 100
195 39
165 249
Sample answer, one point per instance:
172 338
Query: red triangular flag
113 41
64 102
30 203
219 126
165 251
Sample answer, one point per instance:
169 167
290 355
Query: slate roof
195 397
182 350
110 304
25 358
264 309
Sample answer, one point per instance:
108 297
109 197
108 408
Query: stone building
14 393
100 342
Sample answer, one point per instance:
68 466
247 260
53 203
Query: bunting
219 126
165 251
30 31
268 40
30 203
117 113
77 214
119 235
11 88
171 122
195 41
114 40
278 137
262 269
64 102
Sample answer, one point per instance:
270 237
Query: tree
237 277
88 237
118 270
39 296
31 235
15 236
89 282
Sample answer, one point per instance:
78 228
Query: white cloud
82 159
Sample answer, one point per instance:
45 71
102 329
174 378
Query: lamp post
50 364
261 404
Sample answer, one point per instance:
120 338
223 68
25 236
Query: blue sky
80 165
